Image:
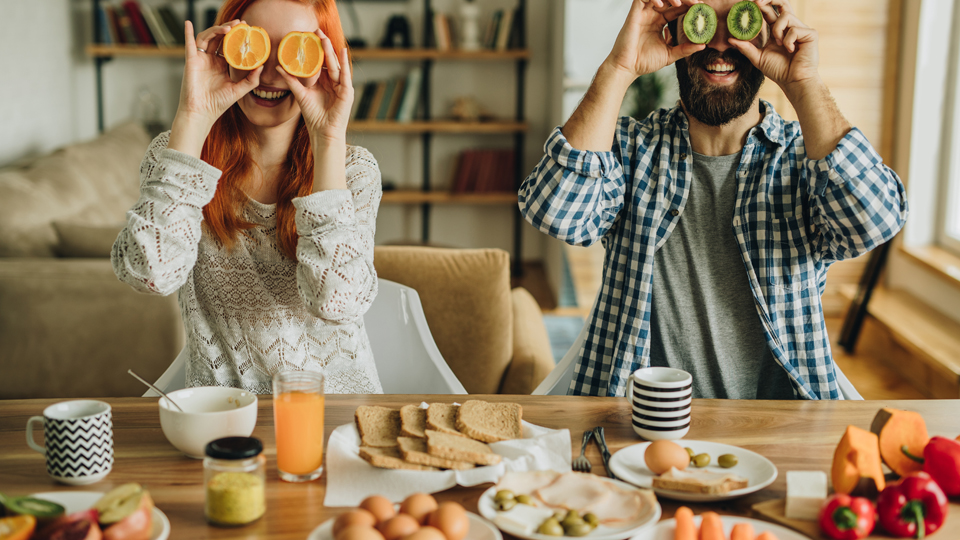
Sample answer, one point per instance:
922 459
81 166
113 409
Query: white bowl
210 413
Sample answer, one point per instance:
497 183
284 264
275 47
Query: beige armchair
492 337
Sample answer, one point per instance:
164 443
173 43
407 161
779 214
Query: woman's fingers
190 44
207 39
346 74
329 57
296 87
248 83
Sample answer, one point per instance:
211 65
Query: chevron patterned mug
78 436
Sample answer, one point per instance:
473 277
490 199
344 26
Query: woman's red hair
228 148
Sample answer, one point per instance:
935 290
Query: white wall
923 147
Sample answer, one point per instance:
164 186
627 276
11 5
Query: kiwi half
744 20
700 23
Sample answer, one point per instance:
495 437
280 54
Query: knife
604 451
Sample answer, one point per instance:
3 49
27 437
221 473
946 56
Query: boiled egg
450 519
661 455
419 506
425 533
358 516
379 506
359 532
398 526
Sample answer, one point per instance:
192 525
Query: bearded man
719 218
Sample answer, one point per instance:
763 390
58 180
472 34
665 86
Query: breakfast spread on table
123 513
442 436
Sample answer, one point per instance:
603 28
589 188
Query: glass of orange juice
298 420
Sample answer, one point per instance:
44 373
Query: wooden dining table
794 435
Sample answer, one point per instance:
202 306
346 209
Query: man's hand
790 57
640 47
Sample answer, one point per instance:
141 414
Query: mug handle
30 442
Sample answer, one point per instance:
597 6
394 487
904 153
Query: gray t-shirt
704 318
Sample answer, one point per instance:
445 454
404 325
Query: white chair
407 359
558 381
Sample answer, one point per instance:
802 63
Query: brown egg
353 517
661 455
379 506
425 533
398 526
451 519
418 505
359 532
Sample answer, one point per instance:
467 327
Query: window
948 234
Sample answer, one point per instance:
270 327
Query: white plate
665 529
488 510
760 472
75 501
480 529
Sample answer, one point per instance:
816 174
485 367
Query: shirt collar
772 126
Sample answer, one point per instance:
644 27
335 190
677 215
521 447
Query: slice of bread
699 481
389 458
414 450
490 422
442 417
413 420
459 448
379 427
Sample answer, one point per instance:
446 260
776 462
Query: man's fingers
797 35
779 28
685 50
748 49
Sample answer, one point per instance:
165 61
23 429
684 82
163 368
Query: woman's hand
790 57
640 47
326 104
206 91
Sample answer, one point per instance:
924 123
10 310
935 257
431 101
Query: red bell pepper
843 517
912 507
941 460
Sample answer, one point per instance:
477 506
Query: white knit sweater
250 312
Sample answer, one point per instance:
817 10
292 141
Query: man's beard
717 105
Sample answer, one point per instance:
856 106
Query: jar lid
234 448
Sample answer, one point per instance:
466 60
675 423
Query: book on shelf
503 30
441 31
363 107
515 39
173 24
490 38
156 27
484 171
394 106
139 25
389 89
128 35
103 22
411 96
375 101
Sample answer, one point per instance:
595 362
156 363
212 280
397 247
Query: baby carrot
742 531
686 528
767 535
711 527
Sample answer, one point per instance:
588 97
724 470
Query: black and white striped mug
78 441
661 401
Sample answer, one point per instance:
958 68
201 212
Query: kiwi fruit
744 20
700 23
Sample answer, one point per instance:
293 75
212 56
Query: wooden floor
871 377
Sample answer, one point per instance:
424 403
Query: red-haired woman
257 212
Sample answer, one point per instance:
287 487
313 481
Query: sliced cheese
806 491
522 519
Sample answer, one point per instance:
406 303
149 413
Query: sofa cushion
466 300
532 355
79 239
95 182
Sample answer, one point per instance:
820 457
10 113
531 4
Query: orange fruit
246 47
300 54
17 528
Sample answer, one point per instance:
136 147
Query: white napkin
350 479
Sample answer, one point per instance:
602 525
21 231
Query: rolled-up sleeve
573 195
859 202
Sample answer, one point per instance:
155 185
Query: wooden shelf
412 196
153 51
434 54
437 126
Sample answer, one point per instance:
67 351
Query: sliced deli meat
574 491
620 505
526 482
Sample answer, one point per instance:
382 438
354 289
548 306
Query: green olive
503 494
559 515
506 504
690 451
551 527
524 499
727 460
581 528
592 519
571 519
701 460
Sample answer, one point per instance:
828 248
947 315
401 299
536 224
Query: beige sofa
68 327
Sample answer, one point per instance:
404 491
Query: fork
582 464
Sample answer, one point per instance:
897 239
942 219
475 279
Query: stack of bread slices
442 436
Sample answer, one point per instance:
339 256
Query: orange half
246 47
300 54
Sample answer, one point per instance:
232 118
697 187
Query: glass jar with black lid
234 479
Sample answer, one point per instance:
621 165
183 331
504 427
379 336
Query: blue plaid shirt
793 218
